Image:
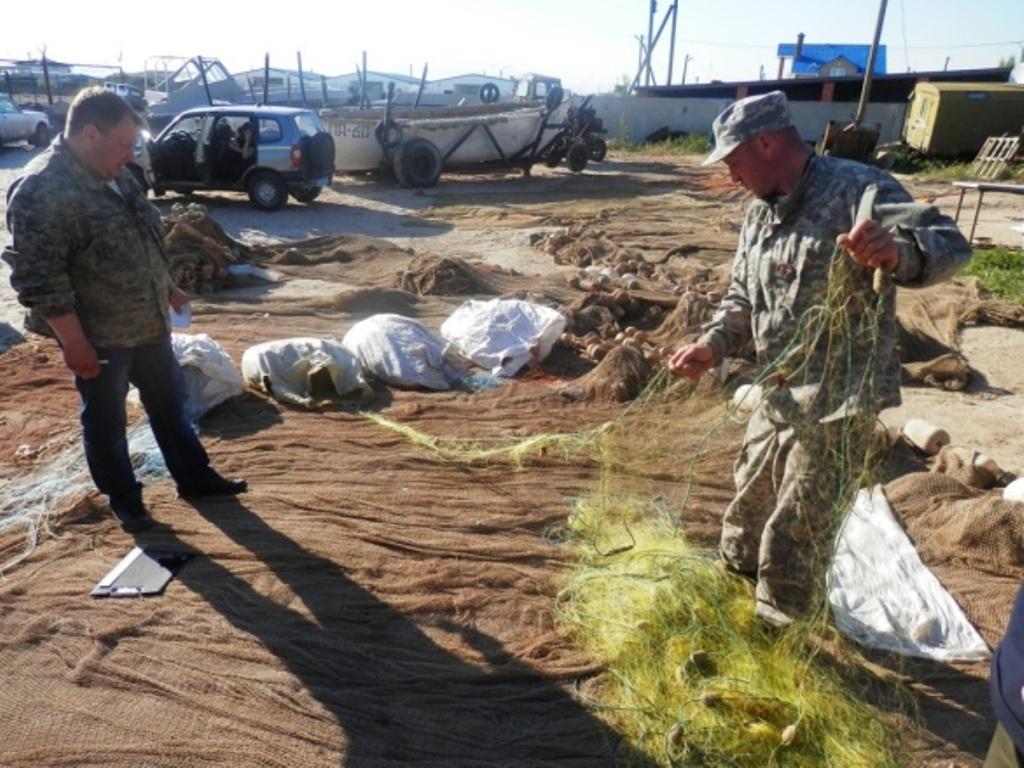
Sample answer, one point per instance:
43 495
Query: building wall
635 117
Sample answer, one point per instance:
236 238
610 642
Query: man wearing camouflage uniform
88 260
832 370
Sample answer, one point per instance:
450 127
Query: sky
589 44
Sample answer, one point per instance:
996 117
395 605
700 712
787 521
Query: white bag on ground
286 369
401 351
883 596
210 374
503 335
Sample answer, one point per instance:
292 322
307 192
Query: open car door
204 147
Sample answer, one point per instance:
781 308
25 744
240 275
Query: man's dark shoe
212 485
132 515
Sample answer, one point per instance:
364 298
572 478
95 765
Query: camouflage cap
744 119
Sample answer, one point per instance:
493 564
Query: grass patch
694 678
935 169
1001 271
691 144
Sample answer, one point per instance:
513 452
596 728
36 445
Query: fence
636 117
51 87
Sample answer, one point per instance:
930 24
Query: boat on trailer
418 144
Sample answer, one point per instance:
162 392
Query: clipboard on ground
141 572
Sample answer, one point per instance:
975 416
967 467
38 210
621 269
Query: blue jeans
154 370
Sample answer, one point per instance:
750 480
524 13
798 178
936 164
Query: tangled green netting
693 677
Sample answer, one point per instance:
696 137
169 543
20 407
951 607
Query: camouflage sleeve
729 328
39 251
932 249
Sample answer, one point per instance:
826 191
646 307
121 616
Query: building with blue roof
827 59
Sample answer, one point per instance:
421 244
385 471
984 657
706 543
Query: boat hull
463 137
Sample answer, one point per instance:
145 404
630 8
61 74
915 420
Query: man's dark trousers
155 371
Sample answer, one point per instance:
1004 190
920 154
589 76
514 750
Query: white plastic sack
285 369
503 335
210 374
401 351
883 596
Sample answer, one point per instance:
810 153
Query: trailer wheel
554 99
598 149
417 163
489 93
577 157
553 159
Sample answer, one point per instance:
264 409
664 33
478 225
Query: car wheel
41 136
267 191
417 163
307 194
577 157
598 149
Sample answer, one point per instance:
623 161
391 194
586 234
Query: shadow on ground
399 697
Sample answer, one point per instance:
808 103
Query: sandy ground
988 416
492 220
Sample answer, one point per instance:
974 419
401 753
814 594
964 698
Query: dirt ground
363 605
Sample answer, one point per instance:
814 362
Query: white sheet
883 596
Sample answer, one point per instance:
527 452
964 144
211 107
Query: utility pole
686 63
674 10
266 78
302 78
946 65
366 100
650 37
46 79
865 91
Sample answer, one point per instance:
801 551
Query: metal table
982 187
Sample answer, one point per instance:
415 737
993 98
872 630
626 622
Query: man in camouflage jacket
88 260
779 526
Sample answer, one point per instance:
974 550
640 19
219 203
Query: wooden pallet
994 156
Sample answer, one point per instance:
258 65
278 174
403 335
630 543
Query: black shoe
132 515
212 485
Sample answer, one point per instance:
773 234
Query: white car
17 124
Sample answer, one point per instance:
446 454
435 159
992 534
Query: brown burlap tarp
930 322
972 540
